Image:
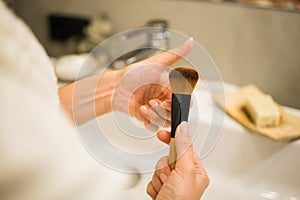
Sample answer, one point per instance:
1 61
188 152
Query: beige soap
263 110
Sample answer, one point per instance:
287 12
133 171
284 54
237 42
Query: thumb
170 57
184 149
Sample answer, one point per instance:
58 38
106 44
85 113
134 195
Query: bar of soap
263 110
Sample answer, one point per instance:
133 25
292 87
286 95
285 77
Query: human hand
188 180
144 92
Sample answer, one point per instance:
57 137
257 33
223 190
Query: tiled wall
249 45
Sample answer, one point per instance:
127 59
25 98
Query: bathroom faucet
146 42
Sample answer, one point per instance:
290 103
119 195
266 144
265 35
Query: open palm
144 92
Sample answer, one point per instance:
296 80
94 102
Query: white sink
242 165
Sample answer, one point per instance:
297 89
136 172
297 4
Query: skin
140 90
188 180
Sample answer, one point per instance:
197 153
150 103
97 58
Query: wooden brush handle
179 113
172 154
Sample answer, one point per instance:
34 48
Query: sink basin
242 164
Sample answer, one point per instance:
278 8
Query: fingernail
184 128
153 103
185 48
144 110
190 39
163 177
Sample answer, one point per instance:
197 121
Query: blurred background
251 41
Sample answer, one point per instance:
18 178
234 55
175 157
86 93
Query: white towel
41 157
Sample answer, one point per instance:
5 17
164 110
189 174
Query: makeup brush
183 81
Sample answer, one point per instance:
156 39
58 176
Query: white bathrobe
41 157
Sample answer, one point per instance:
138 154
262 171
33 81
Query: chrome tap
147 42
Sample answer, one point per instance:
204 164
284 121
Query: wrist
120 95
105 89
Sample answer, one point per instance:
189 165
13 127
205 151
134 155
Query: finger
156 113
153 116
162 167
153 102
163 177
170 57
157 106
151 191
164 136
145 117
184 149
152 127
201 172
145 110
202 176
167 104
158 120
198 165
156 182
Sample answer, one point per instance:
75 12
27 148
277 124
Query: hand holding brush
183 81
188 180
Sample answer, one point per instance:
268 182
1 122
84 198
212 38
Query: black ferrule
180 110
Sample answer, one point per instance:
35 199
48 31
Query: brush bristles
183 80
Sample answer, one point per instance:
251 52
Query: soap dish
288 128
